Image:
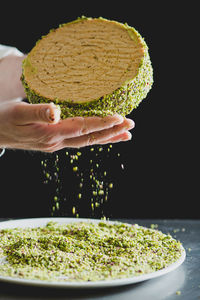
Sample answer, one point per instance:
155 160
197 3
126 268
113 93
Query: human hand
38 127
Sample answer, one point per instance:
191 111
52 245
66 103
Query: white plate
36 222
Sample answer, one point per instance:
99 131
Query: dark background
160 178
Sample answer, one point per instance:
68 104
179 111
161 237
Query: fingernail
128 136
53 114
130 125
48 114
119 118
57 112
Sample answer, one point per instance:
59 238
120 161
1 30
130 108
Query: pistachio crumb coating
85 251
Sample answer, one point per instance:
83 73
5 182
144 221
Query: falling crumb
73 210
154 226
47 175
101 192
110 185
178 293
94 174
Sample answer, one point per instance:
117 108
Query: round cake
91 66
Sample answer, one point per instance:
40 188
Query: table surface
182 283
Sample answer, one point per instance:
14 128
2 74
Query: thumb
25 113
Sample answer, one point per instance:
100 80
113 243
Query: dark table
182 283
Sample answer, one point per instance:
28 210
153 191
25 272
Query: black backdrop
160 175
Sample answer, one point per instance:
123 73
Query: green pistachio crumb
101 192
85 251
47 175
154 226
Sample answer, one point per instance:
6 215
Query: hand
38 127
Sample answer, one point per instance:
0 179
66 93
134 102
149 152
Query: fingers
24 114
123 137
113 134
79 126
38 126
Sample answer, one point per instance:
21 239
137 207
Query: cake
89 67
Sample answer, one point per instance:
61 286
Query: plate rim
79 284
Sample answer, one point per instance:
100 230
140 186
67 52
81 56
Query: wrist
18 87
11 88
10 73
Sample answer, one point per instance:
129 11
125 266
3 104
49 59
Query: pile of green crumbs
85 251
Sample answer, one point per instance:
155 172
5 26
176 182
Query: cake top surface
84 60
